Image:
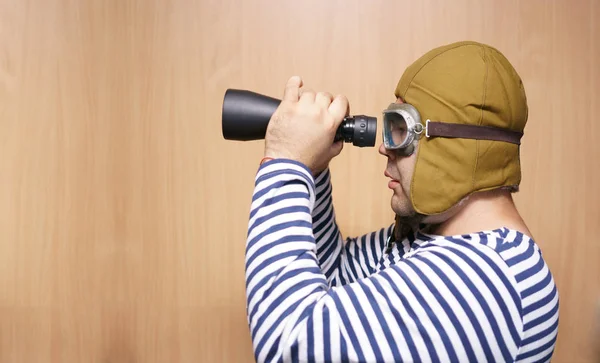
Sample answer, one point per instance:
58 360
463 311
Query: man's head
468 84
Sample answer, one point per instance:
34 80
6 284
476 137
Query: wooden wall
123 212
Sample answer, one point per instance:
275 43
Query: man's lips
389 176
392 184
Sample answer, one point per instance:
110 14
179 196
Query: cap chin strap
442 129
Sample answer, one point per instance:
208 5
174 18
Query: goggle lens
395 130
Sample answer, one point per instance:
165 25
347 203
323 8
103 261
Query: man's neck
483 211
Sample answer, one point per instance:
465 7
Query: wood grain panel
123 212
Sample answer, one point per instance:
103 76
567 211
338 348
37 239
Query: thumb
336 148
339 108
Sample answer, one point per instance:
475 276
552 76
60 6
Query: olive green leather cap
463 83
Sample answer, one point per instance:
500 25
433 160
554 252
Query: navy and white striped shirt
311 296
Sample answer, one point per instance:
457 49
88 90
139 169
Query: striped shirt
313 296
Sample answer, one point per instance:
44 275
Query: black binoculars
246 116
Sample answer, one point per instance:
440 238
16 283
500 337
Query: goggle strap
442 129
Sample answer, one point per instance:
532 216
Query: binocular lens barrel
246 115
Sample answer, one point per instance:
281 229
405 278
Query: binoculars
246 116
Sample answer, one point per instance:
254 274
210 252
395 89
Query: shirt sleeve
427 307
342 261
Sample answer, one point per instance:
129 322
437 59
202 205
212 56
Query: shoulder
500 259
506 271
522 257
509 259
507 251
460 275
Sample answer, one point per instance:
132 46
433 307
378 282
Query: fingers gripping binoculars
246 116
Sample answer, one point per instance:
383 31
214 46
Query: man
457 277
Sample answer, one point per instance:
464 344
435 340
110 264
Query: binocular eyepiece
246 116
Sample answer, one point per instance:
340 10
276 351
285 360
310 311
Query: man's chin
406 214
402 207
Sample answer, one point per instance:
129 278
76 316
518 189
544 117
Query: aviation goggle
402 129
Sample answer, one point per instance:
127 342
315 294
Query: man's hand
303 127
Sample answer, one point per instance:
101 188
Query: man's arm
341 262
432 307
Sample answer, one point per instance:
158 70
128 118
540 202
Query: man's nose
385 152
